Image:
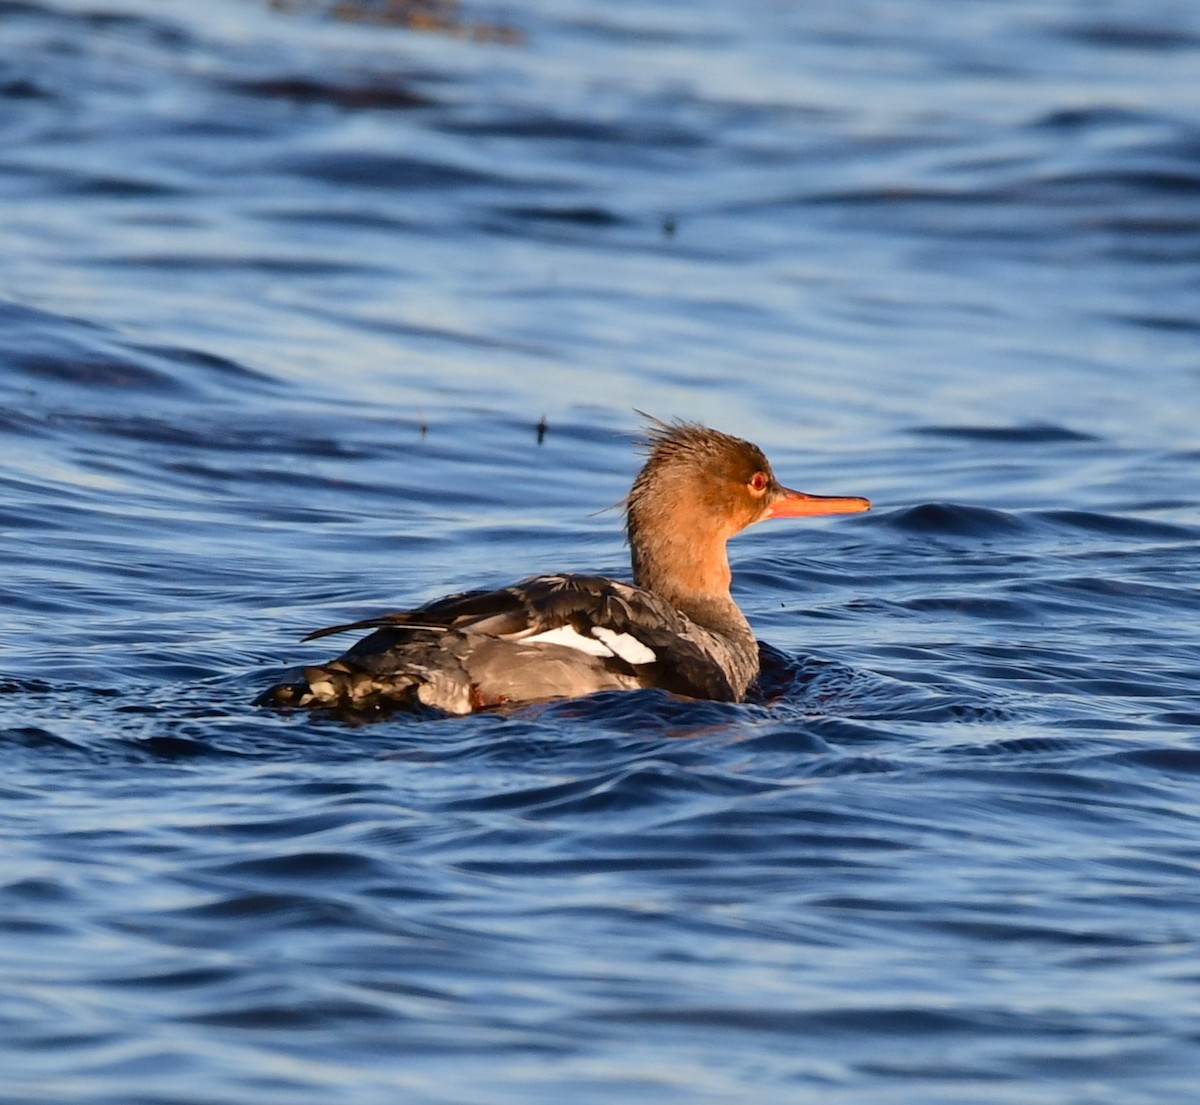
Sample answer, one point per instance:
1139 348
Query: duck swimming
676 626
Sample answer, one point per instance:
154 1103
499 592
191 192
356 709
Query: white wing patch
602 642
570 638
629 648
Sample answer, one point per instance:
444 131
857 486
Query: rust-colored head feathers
696 490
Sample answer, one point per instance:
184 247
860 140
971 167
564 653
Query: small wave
591 216
299 867
360 169
1131 35
94 370
1020 747
48 348
954 519
363 94
39 738
1166 323
1040 434
635 133
1171 761
1091 116
114 186
1094 521
22 88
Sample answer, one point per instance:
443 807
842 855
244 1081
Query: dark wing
687 657
451 612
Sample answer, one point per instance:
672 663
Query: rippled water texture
283 297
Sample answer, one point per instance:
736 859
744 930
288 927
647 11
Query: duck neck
691 573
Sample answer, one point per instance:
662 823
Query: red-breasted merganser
562 636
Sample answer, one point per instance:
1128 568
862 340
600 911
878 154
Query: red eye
758 482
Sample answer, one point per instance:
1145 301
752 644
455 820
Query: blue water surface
285 291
